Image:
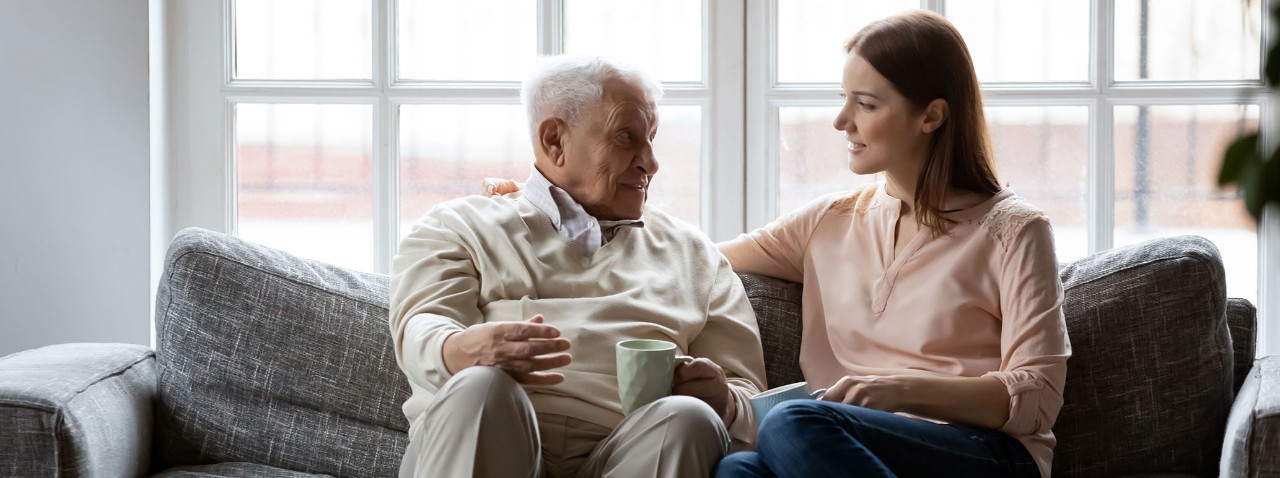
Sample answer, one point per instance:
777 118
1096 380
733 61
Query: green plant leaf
1251 184
1272 67
1242 151
1269 182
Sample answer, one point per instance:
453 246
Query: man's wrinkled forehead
626 103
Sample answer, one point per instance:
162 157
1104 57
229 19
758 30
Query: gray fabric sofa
271 366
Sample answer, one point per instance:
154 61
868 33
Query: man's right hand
525 350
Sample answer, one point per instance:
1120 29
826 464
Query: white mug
645 371
764 401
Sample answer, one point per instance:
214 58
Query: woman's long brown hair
925 58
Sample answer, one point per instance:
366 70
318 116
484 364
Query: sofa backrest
270 359
1157 354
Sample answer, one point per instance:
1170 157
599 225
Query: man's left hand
702 379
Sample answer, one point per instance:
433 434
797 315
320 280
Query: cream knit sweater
476 260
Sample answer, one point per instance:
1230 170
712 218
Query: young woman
932 305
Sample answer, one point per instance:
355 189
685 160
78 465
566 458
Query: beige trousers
483 424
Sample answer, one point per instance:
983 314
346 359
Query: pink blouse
984 300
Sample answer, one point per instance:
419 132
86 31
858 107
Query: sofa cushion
1149 383
270 359
777 307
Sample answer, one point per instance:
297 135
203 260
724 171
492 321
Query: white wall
74 172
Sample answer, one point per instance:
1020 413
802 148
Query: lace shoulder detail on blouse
1007 218
858 201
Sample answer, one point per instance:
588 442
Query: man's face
608 155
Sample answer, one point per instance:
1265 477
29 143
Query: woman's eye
866 106
624 137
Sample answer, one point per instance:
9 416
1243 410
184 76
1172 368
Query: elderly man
505 311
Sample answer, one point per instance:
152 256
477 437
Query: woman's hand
885 393
499 186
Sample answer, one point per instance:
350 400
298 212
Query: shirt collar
558 205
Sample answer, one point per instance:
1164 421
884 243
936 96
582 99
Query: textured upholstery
76 410
1252 447
1242 318
269 365
1151 361
265 358
777 307
232 470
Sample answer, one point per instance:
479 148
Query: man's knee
481 396
691 417
474 386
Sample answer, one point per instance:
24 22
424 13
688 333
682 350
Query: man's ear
935 113
550 135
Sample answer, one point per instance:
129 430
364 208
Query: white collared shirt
569 218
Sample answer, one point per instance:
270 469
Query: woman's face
885 132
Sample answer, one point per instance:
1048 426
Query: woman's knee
743 463
788 416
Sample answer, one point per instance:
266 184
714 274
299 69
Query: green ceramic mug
645 371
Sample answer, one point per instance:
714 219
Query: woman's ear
935 113
550 134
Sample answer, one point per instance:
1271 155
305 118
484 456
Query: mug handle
683 358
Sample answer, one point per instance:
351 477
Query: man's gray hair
565 86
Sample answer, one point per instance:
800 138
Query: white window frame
765 95
739 96
206 91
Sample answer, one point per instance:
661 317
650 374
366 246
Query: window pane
811 35
662 37
1048 38
1188 40
303 39
471 40
677 188
447 150
1042 154
304 180
1167 160
812 157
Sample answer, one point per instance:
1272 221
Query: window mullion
1102 129
724 170
550 27
934 5
759 198
385 201
1269 226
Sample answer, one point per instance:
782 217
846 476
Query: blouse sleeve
777 249
1033 340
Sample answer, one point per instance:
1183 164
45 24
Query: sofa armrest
73 410
1253 427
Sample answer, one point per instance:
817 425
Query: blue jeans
809 438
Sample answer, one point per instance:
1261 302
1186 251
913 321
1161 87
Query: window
1109 115
325 127
352 118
